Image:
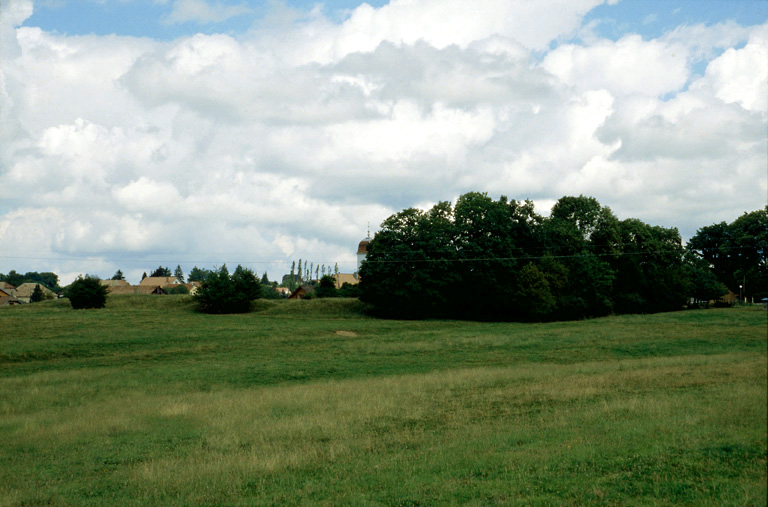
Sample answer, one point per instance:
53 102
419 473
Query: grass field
147 402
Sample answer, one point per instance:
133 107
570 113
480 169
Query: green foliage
499 260
737 252
348 290
225 293
178 273
87 292
37 295
161 271
703 285
270 292
118 275
46 279
326 288
199 274
177 289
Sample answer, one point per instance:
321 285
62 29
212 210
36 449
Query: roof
114 283
25 290
6 286
362 248
8 300
160 281
302 291
4 293
343 278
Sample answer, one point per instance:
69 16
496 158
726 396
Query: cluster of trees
49 280
499 260
326 288
307 272
736 254
267 288
223 292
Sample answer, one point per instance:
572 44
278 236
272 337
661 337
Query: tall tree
118 275
37 294
650 274
737 252
198 274
703 285
178 273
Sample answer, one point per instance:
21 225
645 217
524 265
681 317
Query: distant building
135 289
24 291
362 251
302 291
283 291
8 301
159 281
114 283
7 287
342 278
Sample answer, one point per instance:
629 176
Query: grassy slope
147 401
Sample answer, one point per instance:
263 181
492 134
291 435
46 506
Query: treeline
219 277
49 280
499 260
307 272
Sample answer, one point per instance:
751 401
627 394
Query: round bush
87 293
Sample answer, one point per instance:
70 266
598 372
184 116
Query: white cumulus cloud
287 141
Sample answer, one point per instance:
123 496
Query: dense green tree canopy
161 271
87 292
497 259
225 293
737 253
327 287
199 274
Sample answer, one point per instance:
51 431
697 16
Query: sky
144 133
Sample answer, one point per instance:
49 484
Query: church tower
362 249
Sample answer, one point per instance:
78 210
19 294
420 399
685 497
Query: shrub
178 289
327 287
225 293
270 292
87 292
348 290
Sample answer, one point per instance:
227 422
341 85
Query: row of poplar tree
499 260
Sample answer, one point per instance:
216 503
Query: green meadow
147 402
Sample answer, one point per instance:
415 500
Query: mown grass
312 402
